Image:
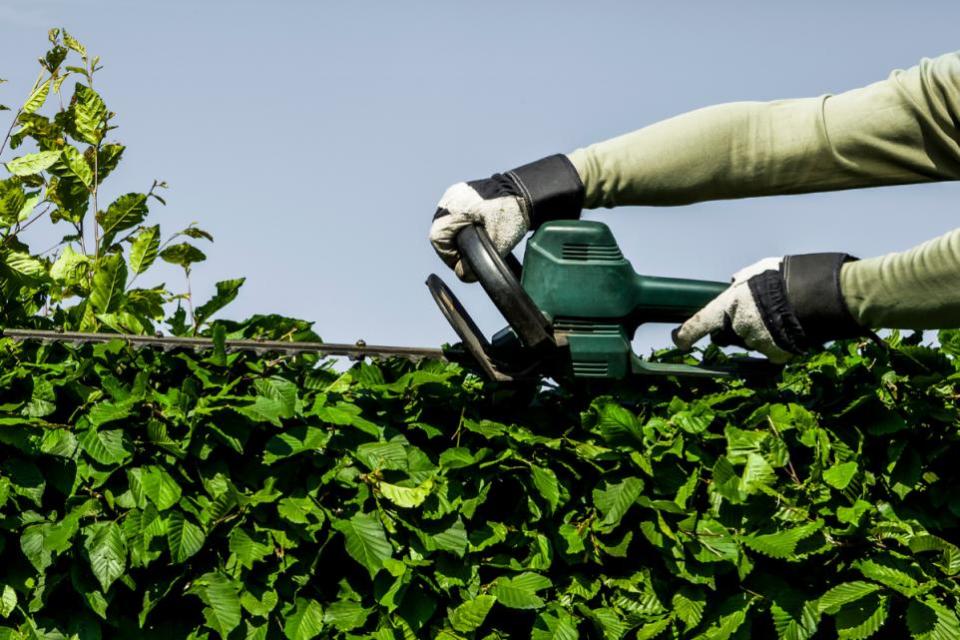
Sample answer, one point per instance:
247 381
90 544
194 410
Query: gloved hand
507 205
782 307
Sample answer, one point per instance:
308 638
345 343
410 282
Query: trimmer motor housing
572 308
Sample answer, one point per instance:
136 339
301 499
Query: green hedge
228 495
149 494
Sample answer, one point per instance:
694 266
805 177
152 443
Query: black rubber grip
503 286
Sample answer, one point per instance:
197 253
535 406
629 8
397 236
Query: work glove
507 205
782 307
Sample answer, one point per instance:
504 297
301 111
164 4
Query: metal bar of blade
358 350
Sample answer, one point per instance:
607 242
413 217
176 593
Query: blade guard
499 278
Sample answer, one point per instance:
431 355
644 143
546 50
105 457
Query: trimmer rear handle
502 284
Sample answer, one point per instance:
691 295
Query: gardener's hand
507 205
782 307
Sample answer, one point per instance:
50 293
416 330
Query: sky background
313 139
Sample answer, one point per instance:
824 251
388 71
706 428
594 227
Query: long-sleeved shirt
905 129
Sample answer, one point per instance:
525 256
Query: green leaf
144 248
13 199
294 441
845 593
862 619
227 291
249 549
615 499
470 615
276 399
8 601
950 553
196 233
555 625
104 412
344 615
453 539
406 497
688 605
77 165
90 114
609 622
125 212
25 265
839 475
109 281
520 592
798 621
106 548
757 474
36 98
931 620
728 619
32 163
382 455
305 621
31 544
183 254
889 572
652 630
73 44
782 544
365 540
259 607
852 515
220 594
28 207
545 480
618 424
106 447
184 539
70 267
155 484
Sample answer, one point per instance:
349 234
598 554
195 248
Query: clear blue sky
314 138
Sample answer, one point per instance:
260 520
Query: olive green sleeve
915 289
898 131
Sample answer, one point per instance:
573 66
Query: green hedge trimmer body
572 307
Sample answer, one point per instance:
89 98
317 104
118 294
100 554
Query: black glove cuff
813 289
777 313
551 187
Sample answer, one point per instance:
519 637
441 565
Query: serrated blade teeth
356 351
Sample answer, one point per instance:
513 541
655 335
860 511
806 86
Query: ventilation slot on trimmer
595 252
566 325
590 369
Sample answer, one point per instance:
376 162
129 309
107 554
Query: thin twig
6 138
790 469
26 224
193 320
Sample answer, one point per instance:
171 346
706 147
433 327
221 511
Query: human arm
898 131
902 130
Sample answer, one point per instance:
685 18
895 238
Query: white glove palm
482 202
781 307
735 310
507 205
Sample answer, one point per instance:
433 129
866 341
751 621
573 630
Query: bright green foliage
62 156
149 494
470 615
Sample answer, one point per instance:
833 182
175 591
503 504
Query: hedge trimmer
572 308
